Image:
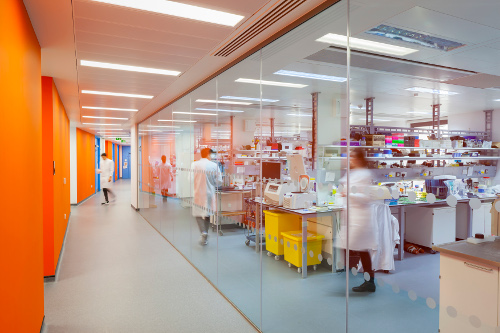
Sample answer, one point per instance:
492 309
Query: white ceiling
119 35
70 31
449 19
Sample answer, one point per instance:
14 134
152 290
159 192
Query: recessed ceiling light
221 102
196 113
149 131
432 91
163 126
366 45
128 68
497 100
311 76
299 115
357 108
104 117
100 124
252 99
111 109
179 121
220 110
93 92
418 112
272 83
180 10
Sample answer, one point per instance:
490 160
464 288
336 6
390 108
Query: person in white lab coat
207 177
165 174
362 229
106 171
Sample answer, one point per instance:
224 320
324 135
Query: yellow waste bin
276 223
293 248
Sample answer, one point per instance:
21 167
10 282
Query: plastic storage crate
278 222
437 187
293 248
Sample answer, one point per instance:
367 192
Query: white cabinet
481 220
427 226
468 291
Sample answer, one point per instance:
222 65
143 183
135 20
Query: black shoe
105 203
367 286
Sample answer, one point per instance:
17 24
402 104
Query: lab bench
469 286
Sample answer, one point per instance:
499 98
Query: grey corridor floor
117 274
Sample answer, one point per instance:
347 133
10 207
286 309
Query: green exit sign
118 139
123 141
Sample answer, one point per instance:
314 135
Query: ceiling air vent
272 16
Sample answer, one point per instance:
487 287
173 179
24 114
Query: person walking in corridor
106 171
207 177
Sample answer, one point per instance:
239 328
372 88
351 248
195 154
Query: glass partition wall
285 214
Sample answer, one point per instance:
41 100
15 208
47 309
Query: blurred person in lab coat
165 174
207 177
106 171
362 229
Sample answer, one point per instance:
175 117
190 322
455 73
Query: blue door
97 163
126 162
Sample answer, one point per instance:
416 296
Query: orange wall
85 164
21 225
56 187
61 179
47 176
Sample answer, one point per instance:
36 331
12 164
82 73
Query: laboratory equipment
271 170
274 193
296 165
297 200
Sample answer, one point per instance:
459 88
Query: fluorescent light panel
107 129
95 117
196 113
179 121
106 93
220 110
251 99
111 109
299 115
221 102
366 45
272 83
376 119
432 91
311 76
128 68
180 10
101 124
163 126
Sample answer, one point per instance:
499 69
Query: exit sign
118 139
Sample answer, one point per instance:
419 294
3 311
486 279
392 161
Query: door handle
481 268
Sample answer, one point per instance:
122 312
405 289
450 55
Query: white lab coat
106 171
388 237
363 233
206 176
165 175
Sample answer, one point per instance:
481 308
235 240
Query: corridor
117 274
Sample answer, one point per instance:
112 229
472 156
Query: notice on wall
125 164
330 177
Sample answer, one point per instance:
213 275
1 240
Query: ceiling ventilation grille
262 24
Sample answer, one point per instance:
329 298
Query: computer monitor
271 170
296 165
